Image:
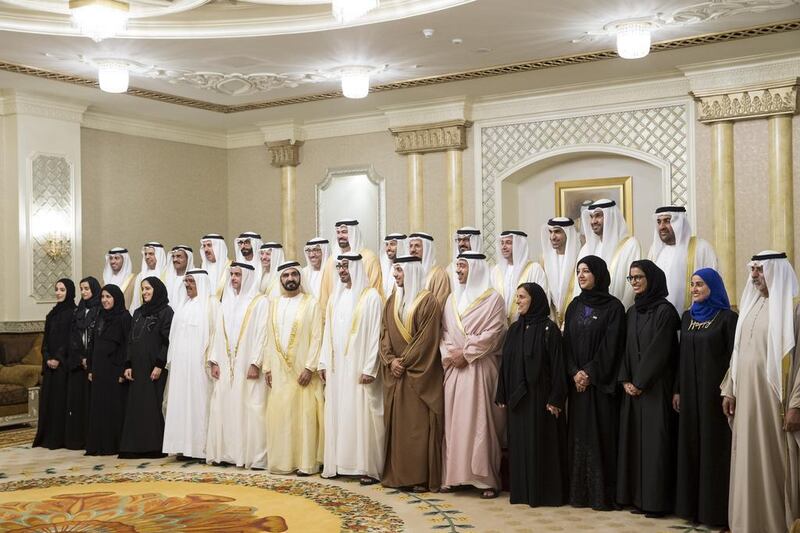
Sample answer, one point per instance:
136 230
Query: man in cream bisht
679 253
473 330
236 424
435 278
118 271
413 400
316 251
560 246
270 256
247 246
466 239
154 263
295 412
394 245
215 261
354 432
607 237
513 268
762 400
349 240
181 259
191 340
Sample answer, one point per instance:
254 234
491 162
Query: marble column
414 141
723 197
286 156
781 205
416 203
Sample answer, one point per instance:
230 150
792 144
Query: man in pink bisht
473 329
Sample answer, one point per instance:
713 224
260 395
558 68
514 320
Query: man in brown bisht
412 381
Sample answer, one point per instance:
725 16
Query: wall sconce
48 231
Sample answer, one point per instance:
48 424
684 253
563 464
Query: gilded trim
28 326
498 70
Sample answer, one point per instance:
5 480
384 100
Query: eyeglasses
341 267
637 277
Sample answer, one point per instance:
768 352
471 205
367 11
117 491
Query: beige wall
136 189
751 149
254 186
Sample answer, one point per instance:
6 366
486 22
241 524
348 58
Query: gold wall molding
748 102
284 153
499 70
431 137
25 326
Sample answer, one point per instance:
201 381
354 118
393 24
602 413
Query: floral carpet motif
111 503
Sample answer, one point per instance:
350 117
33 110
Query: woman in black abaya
83 322
646 468
106 364
55 345
143 432
594 340
532 386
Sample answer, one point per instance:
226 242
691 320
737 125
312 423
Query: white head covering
194 312
353 235
386 263
675 266
289 265
125 270
428 250
475 240
782 284
255 241
276 258
519 251
614 228
558 280
203 284
233 304
174 281
220 252
159 271
413 283
358 277
478 280
324 246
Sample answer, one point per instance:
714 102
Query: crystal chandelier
347 10
113 76
633 39
99 19
355 81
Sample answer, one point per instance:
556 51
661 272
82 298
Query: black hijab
69 301
524 349
656 291
597 296
159 300
94 300
119 302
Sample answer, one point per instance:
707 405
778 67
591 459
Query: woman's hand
155 374
553 410
128 374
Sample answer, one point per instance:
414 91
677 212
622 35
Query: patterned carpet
64 491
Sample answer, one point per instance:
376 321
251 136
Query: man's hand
214 370
447 362
365 379
155 374
252 372
322 375
791 420
459 361
676 402
397 369
304 378
729 406
128 374
268 378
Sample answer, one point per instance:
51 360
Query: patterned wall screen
51 208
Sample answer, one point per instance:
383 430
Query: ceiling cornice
499 70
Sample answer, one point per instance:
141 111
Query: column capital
284 153
439 137
17 103
776 98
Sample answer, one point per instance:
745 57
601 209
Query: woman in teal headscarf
704 438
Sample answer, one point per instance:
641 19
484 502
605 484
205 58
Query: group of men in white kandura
279 366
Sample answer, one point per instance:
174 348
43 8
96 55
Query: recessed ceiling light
428 33
457 40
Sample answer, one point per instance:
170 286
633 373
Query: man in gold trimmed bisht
473 329
761 397
236 426
295 412
411 367
560 246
